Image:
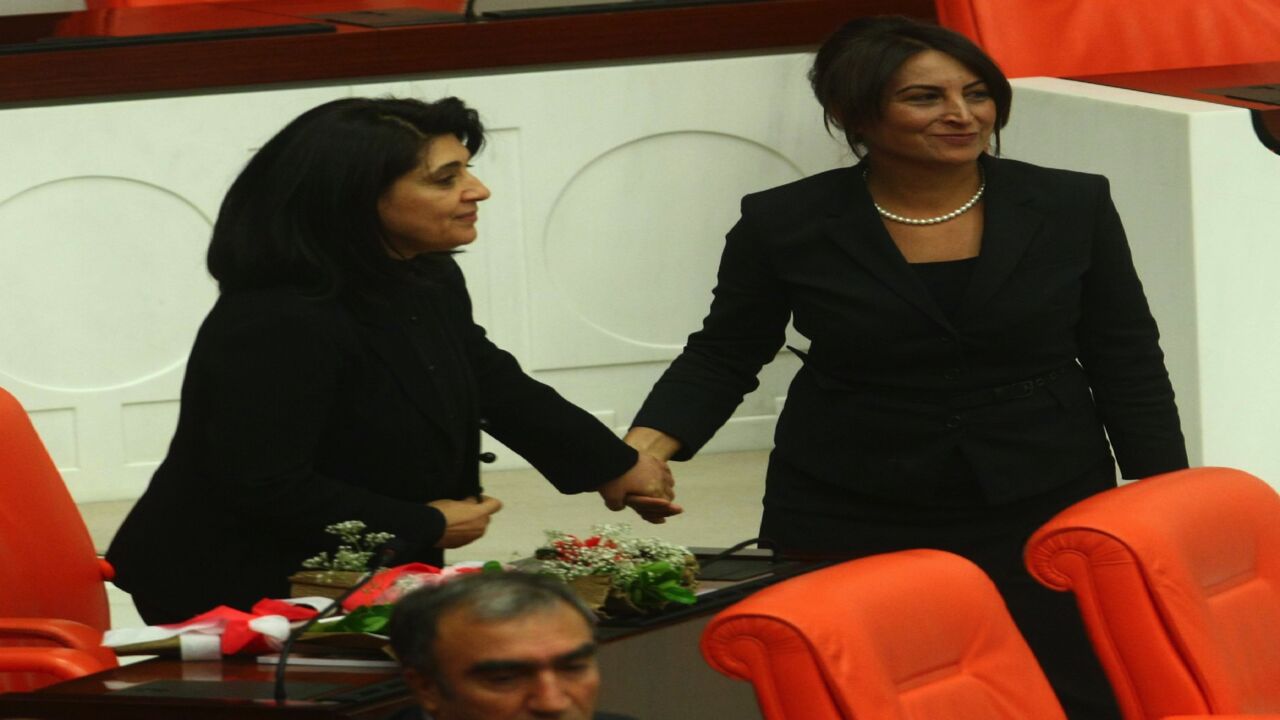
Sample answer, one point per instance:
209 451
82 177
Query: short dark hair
304 211
415 620
852 69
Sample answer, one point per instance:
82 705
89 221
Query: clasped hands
648 488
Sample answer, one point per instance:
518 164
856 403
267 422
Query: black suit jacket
298 413
891 389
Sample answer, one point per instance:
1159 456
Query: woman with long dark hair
340 375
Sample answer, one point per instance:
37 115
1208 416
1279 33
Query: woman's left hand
648 488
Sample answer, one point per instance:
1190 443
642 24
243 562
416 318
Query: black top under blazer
299 412
1052 343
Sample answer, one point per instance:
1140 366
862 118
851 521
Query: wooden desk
651 668
351 693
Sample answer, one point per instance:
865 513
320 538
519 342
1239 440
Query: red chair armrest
62 663
67 633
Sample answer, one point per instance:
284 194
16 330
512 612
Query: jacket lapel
1010 223
856 227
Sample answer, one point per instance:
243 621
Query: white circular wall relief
102 282
634 239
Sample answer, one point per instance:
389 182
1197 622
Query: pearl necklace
968 205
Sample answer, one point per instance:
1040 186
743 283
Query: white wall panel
628 255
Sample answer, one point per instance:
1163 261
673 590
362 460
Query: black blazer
298 413
891 389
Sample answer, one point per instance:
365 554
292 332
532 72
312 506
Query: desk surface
1197 83
1208 85
348 693
170 688
355 51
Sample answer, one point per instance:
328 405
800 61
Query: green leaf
365 619
657 584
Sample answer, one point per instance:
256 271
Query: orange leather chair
53 603
911 634
1178 581
1062 38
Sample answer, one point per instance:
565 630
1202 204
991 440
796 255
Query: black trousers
992 536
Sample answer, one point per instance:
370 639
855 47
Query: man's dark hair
415 620
304 212
852 69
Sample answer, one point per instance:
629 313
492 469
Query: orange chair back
48 566
1062 38
911 634
1178 580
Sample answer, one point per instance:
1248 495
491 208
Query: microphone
469 11
385 557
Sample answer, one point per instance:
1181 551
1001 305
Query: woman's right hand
465 520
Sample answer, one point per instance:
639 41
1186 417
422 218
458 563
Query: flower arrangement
354 550
617 574
329 576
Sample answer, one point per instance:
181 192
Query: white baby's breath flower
354 549
609 550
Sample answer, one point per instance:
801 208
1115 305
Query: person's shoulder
1029 175
440 267
282 300
281 311
1066 194
798 202
813 189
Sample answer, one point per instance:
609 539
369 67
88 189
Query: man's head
507 646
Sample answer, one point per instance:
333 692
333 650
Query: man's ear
425 689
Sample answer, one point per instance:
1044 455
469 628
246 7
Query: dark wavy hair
304 212
852 69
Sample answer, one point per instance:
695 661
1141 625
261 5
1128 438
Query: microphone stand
385 558
469 11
